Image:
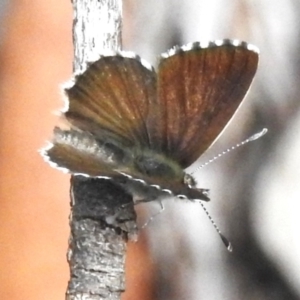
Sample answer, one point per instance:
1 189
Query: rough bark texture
97 249
102 215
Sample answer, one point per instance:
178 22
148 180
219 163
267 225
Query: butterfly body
141 128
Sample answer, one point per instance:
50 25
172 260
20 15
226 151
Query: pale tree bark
97 250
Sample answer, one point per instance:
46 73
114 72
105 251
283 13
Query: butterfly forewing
199 90
111 99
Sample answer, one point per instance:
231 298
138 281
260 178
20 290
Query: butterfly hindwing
80 153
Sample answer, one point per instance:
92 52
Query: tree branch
102 215
96 28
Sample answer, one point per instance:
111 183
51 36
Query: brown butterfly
141 128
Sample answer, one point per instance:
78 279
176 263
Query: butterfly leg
162 208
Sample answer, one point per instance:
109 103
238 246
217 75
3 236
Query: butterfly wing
111 99
199 89
80 153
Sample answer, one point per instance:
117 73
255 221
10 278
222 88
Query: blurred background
255 190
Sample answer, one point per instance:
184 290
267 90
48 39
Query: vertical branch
96 28
102 214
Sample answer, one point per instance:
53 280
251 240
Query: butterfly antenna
162 208
223 238
248 140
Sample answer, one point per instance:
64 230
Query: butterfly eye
189 180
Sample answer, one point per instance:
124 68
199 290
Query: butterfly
142 128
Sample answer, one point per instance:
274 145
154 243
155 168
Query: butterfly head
189 180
